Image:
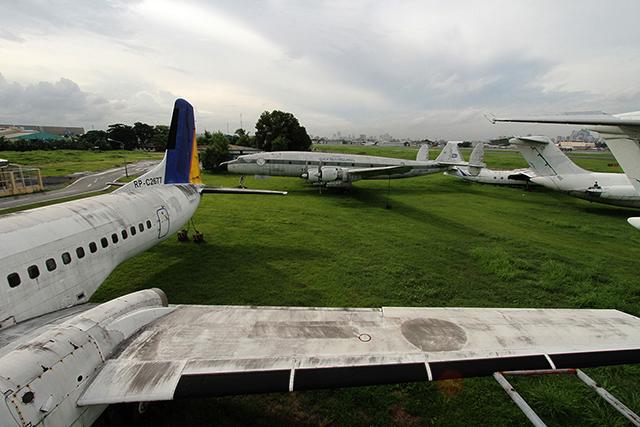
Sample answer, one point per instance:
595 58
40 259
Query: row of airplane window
33 271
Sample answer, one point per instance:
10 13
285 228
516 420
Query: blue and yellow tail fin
182 165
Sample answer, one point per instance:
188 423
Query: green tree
244 139
122 136
96 139
144 133
217 151
275 124
158 140
280 144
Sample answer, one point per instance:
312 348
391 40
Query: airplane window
114 237
33 271
13 279
66 258
51 264
93 247
124 234
133 230
80 252
148 224
104 242
141 227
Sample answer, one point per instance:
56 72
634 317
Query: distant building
58 131
236 151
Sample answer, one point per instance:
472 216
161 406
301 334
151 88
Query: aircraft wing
379 171
600 119
228 190
225 350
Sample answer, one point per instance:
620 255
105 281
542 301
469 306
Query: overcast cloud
413 69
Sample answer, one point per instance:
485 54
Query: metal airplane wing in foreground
226 350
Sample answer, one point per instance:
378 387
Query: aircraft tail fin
423 153
544 157
450 154
180 164
476 160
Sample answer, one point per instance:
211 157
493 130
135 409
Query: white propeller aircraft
340 170
622 134
62 361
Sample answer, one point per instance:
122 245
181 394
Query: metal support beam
618 406
522 404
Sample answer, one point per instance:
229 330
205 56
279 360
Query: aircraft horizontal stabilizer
226 350
227 190
531 139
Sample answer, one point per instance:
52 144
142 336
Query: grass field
444 242
65 162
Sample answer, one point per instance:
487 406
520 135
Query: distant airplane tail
544 157
450 154
476 160
423 153
180 164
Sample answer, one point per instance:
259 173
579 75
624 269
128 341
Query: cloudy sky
427 68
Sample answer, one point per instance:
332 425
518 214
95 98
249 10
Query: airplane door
163 222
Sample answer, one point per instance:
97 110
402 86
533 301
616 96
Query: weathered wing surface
221 350
379 171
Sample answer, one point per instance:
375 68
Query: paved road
86 184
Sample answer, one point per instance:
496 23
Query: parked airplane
551 168
340 170
513 177
62 363
622 133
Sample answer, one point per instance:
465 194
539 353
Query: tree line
275 131
140 136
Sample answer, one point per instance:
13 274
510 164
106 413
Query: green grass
444 242
65 162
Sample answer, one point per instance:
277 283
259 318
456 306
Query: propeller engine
323 174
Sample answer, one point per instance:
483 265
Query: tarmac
87 184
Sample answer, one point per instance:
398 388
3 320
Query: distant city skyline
414 69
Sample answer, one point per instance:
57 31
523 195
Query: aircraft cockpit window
51 264
114 238
148 224
66 258
33 271
141 227
124 234
104 242
133 230
14 280
80 252
93 247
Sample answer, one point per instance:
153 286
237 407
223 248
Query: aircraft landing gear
198 237
183 235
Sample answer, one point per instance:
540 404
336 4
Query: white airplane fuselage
55 257
299 163
490 176
608 188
